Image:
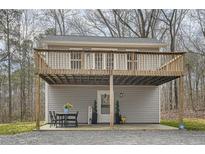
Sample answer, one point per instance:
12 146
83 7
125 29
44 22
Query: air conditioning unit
90 112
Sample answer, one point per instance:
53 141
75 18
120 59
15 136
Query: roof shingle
100 39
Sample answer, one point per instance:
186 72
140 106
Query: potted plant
117 112
67 107
123 119
94 114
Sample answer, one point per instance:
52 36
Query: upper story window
75 60
109 61
89 60
98 60
132 61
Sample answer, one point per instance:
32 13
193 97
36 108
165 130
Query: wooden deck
93 67
82 66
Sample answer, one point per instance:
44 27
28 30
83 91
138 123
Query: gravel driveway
106 137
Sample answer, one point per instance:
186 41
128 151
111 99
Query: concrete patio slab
103 127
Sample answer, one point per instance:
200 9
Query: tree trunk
190 88
23 100
176 94
172 48
170 96
9 66
181 96
29 87
197 92
203 90
1 101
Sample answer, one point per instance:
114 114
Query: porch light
121 94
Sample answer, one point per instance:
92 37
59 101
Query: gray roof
100 39
97 41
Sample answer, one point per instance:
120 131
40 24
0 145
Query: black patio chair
53 121
76 119
54 114
58 121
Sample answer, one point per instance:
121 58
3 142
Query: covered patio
106 127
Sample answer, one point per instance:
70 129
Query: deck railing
96 62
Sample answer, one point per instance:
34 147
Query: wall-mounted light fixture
121 94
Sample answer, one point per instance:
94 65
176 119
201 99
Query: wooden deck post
37 101
111 102
181 102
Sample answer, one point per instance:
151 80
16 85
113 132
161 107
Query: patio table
67 119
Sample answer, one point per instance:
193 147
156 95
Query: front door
103 106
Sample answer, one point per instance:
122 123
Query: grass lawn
190 124
14 128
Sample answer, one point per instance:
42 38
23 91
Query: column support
181 102
37 101
111 102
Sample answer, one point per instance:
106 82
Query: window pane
105 104
75 60
109 61
98 60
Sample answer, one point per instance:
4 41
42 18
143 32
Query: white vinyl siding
140 104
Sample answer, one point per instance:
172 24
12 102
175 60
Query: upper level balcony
129 67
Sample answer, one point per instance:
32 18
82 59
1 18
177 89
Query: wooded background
20 30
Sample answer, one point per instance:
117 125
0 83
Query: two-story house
81 69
